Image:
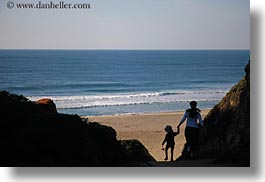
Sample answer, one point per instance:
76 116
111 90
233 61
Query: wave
86 101
127 104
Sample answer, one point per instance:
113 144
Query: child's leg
166 153
172 153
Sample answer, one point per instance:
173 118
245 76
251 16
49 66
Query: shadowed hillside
226 134
34 134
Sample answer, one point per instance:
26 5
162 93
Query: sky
128 24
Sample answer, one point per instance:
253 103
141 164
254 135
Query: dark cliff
226 134
34 134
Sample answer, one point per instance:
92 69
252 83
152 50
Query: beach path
148 129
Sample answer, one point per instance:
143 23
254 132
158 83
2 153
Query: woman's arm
183 119
200 120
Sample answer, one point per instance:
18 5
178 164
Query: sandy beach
147 128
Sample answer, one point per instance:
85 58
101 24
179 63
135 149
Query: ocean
110 82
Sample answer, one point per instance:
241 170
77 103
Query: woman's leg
188 136
195 141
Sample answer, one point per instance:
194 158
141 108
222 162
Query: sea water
108 82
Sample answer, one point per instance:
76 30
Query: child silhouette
169 139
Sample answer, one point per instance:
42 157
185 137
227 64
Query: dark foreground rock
135 151
47 105
33 135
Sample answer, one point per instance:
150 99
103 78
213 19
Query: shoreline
143 113
148 128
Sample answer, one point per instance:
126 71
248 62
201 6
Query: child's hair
168 129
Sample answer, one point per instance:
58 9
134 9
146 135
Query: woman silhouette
192 129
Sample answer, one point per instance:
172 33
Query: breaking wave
85 101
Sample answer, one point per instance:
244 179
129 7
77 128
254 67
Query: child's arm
178 131
164 142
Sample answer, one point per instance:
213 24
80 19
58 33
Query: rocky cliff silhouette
34 134
226 134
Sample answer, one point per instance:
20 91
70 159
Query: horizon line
52 49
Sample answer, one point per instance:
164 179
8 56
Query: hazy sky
128 24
